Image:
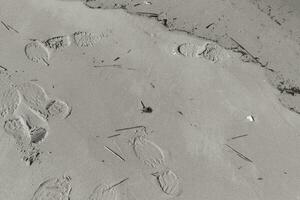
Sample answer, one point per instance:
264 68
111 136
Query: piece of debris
250 118
117 58
239 154
146 109
113 152
239 136
8 27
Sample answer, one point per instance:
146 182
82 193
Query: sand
119 102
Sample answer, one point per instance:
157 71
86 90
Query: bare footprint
57 109
37 52
35 97
9 101
54 189
148 152
169 182
86 39
58 42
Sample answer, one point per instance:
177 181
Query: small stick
239 154
8 27
239 136
143 104
3 68
5 25
114 185
117 58
134 127
209 25
115 66
115 135
45 62
13 29
148 14
115 153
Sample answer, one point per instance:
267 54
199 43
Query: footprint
169 183
148 152
37 52
212 52
9 101
86 39
35 97
54 189
58 42
103 192
16 127
57 109
38 126
190 50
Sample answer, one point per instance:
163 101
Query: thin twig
116 184
113 152
117 58
5 25
8 27
45 62
239 154
115 135
12 28
134 127
113 66
5 69
239 136
148 14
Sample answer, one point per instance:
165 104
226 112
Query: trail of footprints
146 151
151 155
40 51
25 112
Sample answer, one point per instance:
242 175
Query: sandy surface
104 104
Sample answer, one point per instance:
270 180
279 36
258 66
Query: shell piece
86 39
35 97
148 152
9 101
54 189
103 192
37 52
169 183
57 109
58 42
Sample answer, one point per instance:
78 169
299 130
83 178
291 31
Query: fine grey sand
138 100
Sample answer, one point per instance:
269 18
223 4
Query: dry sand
103 104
